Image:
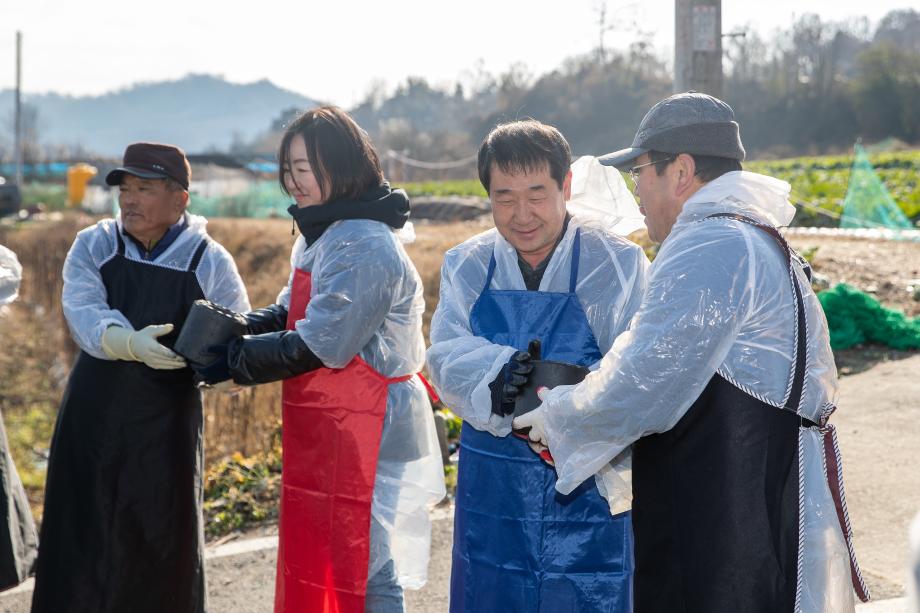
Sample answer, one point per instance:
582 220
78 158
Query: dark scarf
391 206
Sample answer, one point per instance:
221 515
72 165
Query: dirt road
878 424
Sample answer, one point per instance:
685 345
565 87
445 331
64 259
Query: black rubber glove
272 318
507 385
216 371
269 357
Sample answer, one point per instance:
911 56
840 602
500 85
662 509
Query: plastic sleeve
353 286
84 300
461 364
698 295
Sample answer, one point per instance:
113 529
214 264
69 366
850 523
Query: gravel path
241 575
244 582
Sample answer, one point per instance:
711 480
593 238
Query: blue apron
519 545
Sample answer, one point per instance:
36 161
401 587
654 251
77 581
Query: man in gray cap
723 385
122 525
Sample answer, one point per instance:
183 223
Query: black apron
715 507
122 529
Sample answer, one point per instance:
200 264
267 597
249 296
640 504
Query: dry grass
245 421
40 351
37 348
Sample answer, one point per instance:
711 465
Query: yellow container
78 175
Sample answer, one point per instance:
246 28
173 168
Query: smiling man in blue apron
122 527
723 385
541 274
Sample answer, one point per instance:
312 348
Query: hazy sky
334 50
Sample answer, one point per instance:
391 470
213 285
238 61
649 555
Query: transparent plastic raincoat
504 556
84 297
462 365
610 285
720 301
366 300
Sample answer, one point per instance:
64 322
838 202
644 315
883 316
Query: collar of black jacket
391 206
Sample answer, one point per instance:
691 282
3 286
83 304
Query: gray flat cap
684 123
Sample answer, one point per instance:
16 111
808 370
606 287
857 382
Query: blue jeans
384 594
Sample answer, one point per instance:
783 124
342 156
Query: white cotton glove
141 346
531 426
534 420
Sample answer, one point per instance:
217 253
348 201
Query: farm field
818 183
241 428
35 370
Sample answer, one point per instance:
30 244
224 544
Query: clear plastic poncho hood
601 198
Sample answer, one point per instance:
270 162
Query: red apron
331 425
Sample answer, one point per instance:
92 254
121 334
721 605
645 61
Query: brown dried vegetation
39 351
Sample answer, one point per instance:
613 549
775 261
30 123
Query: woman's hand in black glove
262 358
216 371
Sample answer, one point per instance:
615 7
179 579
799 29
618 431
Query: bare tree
622 18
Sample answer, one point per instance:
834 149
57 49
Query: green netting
855 317
868 203
263 199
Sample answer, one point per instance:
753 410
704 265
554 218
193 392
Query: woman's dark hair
524 146
340 153
708 167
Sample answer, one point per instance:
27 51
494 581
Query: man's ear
567 186
182 201
686 172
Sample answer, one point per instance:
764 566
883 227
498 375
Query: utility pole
17 117
698 46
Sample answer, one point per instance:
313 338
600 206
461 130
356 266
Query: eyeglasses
633 172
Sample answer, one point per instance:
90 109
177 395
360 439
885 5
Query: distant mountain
197 112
